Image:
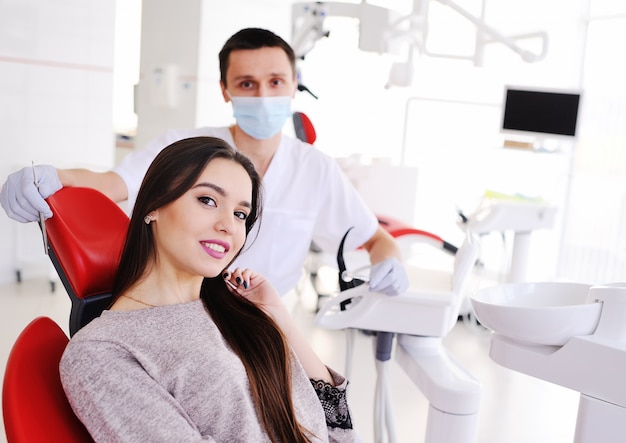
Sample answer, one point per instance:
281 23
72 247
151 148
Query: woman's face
199 233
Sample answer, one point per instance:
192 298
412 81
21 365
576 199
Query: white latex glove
389 277
21 199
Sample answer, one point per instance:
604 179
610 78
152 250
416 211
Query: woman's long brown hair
251 333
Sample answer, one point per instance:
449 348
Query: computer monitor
540 113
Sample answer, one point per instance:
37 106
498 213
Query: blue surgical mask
261 117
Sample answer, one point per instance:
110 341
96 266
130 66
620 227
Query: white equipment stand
573 335
420 319
521 217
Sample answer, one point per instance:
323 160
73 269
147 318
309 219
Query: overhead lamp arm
380 26
497 37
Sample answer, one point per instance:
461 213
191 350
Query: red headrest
87 234
398 228
304 128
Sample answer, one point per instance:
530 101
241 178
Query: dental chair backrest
34 405
86 235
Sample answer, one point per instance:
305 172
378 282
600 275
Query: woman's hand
246 283
254 287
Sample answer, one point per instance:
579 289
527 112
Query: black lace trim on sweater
334 403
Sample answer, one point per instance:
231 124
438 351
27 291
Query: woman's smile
215 248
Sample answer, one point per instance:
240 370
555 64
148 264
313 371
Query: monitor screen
551 113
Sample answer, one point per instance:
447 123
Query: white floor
515 408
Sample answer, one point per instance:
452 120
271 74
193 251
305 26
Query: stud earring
147 219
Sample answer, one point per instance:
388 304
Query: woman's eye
207 201
241 215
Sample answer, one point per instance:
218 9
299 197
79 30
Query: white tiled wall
56 79
166 93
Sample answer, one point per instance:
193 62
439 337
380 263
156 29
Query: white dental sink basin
537 313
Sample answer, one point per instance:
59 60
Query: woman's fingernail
245 285
238 280
225 275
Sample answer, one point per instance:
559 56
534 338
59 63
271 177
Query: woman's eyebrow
221 191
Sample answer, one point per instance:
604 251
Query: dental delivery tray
431 313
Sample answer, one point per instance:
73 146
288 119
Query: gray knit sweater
165 374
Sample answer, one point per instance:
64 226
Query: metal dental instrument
42 219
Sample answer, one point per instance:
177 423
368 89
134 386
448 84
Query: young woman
188 351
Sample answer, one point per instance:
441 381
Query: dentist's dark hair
260 345
253 38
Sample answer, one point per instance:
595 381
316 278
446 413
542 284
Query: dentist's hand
21 199
389 277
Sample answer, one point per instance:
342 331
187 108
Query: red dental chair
86 236
85 239
34 405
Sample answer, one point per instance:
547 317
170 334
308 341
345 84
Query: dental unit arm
420 319
383 30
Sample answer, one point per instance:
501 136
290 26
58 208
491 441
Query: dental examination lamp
420 319
570 334
383 30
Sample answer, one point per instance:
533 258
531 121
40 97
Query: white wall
56 76
167 91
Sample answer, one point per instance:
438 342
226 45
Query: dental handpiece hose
383 414
384 342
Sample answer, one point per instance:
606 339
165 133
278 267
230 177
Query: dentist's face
262 72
